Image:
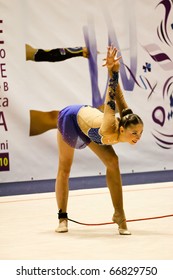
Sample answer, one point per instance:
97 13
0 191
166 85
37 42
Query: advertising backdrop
143 33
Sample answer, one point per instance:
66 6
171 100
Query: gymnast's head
130 127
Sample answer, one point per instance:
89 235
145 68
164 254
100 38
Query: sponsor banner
143 33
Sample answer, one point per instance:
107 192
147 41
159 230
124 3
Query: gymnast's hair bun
126 111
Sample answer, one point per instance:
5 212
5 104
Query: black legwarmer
58 54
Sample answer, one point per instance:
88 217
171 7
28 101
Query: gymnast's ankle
120 219
63 222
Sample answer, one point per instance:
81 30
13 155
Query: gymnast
82 125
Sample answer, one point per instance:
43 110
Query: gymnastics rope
128 221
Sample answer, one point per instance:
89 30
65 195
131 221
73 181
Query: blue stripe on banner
43 186
91 44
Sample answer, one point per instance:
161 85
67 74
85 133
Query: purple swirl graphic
163 140
162 30
160 115
167 87
159 56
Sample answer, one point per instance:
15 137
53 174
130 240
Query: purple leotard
69 128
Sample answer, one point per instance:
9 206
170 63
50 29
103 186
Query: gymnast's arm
120 100
110 123
114 95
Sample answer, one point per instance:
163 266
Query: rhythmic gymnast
82 125
54 55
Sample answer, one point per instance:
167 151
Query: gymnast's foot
85 52
122 226
63 226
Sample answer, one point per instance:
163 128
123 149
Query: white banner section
141 30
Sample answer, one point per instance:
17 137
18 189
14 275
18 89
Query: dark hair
128 118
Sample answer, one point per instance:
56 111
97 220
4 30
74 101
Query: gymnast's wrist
112 72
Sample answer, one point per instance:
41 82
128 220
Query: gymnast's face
131 134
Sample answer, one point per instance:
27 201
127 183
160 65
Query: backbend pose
80 126
54 55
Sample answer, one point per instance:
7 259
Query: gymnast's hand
112 61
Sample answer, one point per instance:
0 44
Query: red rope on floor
128 221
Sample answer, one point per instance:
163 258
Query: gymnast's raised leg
54 55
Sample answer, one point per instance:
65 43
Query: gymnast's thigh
106 153
65 152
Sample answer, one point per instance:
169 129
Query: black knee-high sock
58 54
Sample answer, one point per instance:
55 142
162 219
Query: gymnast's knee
64 170
112 162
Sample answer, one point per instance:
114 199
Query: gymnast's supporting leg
66 154
54 55
113 178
